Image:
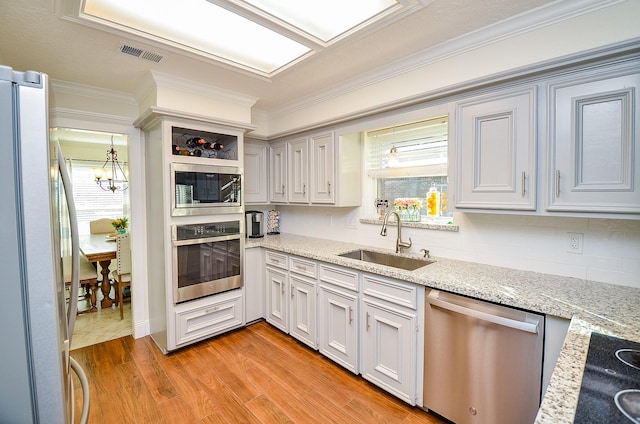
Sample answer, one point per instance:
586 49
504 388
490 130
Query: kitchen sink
387 259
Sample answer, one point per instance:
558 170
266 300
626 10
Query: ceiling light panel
203 26
324 19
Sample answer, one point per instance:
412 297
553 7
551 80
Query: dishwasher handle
529 327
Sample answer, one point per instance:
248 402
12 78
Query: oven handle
206 240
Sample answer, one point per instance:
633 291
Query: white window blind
421 149
90 200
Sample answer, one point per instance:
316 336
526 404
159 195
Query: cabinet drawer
340 277
391 291
208 320
303 267
278 260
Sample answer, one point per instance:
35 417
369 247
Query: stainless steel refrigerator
36 323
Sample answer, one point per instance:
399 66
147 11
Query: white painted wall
611 251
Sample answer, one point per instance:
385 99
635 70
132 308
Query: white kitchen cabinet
338 316
253 279
389 336
303 276
206 317
595 142
172 325
298 171
256 173
277 290
303 321
322 168
496 151
278 173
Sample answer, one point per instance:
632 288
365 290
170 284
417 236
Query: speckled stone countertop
591 306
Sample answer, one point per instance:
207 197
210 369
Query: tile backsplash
610 251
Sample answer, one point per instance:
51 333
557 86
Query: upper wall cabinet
278 173
496 151
256 173
298 175
322 169
594 148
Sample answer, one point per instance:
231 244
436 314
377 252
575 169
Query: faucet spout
399 243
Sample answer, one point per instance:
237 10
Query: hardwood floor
253 375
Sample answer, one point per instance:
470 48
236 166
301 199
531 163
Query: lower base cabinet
208 316
338 326
388 338
389 334
303 310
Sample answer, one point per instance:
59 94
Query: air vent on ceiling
142 54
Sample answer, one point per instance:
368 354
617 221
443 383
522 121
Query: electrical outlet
575 242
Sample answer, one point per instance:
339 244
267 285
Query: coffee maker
255 224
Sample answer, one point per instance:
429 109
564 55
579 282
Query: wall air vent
142 54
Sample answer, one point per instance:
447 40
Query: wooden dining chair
88 277
122 274
101 226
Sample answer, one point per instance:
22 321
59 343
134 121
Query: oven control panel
210 229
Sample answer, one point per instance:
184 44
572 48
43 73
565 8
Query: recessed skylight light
325 19
262 36
203 26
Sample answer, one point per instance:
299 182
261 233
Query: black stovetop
607 376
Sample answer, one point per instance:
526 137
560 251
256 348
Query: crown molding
58 114
526 22
66 87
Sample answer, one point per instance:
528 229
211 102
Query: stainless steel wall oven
205 189
207 259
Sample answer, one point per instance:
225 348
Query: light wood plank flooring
253 375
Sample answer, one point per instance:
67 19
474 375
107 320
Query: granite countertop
604 308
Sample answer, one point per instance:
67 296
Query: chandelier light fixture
111 177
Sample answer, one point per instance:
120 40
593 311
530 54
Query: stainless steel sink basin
387 259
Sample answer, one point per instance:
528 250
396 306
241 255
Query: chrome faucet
399 243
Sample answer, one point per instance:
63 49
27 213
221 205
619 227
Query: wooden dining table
101 249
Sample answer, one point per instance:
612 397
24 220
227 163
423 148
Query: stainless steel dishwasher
483 362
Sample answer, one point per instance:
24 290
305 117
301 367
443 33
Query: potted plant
120 225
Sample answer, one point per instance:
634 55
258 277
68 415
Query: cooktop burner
610 391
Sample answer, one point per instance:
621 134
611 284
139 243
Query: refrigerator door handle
529 327
75 243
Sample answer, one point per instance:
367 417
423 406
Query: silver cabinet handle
304 189
557 183
282 188
367 320
529 327
350 315
524 178
329 186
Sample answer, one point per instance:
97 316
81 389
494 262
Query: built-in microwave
205 189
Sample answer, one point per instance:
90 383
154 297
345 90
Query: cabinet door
496 151
298 161
322 168
278 173
595 145
255 174
338 327
303 310
389 349
277 292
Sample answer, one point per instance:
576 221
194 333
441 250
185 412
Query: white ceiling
35 37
